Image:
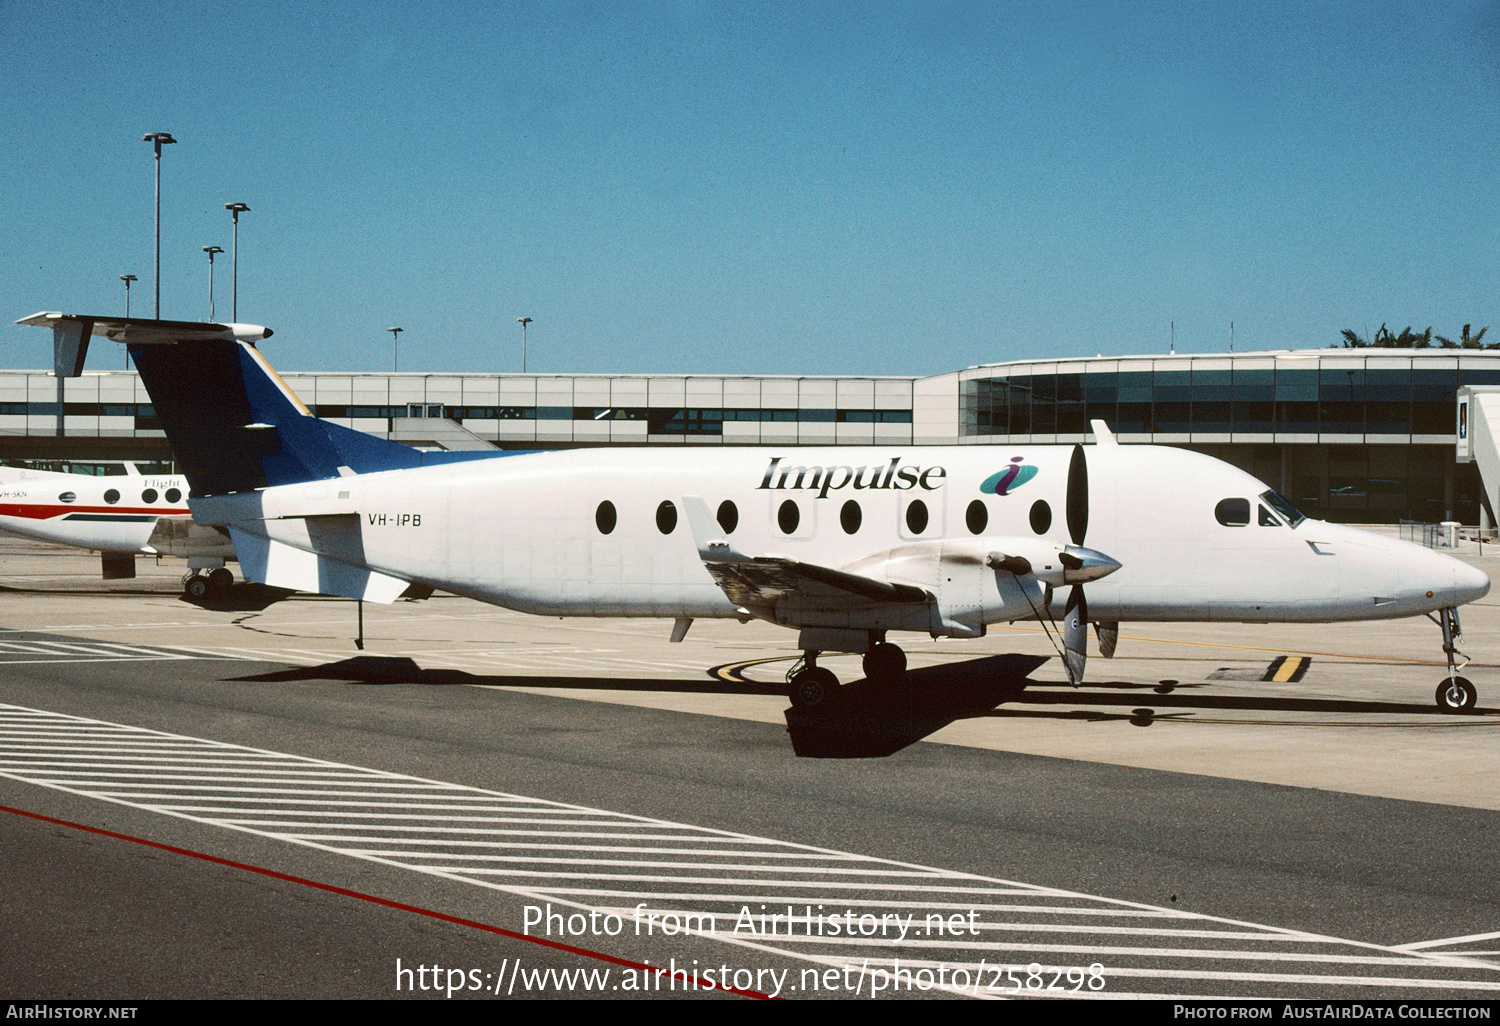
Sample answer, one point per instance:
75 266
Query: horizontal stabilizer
233 424
283 566
144 331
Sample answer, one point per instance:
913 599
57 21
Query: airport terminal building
1349 435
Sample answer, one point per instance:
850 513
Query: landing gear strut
1455 694
808 684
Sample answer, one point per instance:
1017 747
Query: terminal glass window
1135 401
1070 408
1341 400
1043 404
1254 401
1434 392
1297 400
1212 393
1019 401
1101 397
1172 394
1388 400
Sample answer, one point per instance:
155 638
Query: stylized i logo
1009 479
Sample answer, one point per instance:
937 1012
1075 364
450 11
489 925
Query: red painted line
35 511
388 903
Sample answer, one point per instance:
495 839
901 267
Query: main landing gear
810 685
1455 694
214 584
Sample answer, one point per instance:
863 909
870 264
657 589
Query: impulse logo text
1009 479
826 479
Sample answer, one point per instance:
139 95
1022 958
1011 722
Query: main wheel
1456 694
195 586
885 663
811 688
220 580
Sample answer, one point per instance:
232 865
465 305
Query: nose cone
1470 584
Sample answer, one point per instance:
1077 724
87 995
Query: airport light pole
395 344
234 262
158 139
127 279
212 251
523 321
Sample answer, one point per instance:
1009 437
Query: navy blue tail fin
235 426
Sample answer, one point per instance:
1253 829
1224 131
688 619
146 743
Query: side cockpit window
1233 512
1266 519
1288 512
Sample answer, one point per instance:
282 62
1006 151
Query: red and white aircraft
118 516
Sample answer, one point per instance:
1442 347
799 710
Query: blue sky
762 188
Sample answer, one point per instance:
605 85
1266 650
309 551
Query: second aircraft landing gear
1454 694
215 583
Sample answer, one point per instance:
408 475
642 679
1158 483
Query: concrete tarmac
1180 821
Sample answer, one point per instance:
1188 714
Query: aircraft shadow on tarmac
247 597
864 719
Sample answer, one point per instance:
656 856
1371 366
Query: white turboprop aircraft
118 516
845 545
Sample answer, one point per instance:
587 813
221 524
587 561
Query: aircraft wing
759 581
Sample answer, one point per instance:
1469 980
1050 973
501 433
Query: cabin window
1267 519
1233 512
729 516
1041 516
850 517
916 516
977 516
112 496
666 517
173 494
605 517
788 517
66 497
149 495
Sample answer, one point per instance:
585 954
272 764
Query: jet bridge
1478 433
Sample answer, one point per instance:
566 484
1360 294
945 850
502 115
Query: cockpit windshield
1281 506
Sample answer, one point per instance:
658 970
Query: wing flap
760 581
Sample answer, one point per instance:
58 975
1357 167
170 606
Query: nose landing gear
1455 694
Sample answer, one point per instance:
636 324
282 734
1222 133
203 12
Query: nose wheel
1455 694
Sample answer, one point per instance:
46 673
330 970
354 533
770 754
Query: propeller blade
1108 633
1075 634
1078 496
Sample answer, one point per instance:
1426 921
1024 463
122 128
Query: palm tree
1384 338
1467 341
